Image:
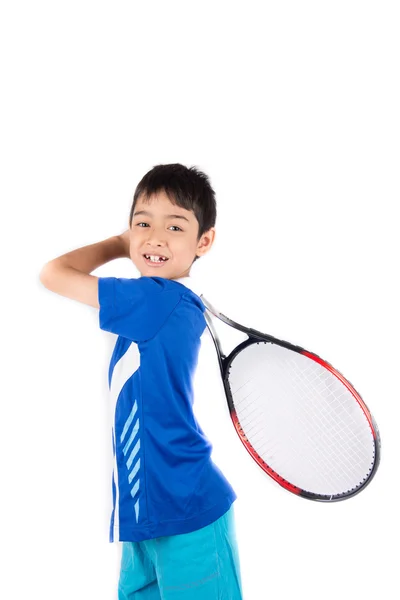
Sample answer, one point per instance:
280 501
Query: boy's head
173 215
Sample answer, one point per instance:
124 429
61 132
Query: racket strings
329 463
301 419
342 430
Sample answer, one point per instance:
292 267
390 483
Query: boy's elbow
48 276
43 276
70 282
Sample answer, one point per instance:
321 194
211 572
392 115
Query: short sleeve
136 308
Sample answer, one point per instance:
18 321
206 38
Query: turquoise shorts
200 565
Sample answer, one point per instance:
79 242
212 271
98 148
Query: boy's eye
143 223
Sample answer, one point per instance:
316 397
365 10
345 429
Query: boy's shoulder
137 308
188 286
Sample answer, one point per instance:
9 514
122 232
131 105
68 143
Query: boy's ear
205 242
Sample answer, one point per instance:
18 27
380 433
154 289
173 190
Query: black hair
186 187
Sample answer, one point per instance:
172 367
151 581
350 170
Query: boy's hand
126 240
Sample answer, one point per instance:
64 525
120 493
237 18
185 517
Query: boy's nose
156 238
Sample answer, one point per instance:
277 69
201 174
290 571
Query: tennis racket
298 417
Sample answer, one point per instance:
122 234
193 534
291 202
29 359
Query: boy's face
155 232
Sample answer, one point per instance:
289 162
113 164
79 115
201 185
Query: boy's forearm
88 258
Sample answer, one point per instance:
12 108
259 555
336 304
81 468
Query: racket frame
254 337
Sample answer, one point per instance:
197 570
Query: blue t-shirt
164 480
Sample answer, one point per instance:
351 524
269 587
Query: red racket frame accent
258 459
337 374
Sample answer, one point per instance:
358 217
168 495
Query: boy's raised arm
69 274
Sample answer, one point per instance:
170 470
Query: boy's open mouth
155 259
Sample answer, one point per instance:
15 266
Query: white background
292 109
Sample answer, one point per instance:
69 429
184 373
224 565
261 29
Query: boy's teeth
155 258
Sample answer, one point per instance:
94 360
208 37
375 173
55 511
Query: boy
172 506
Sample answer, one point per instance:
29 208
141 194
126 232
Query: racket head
317 440
320 442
